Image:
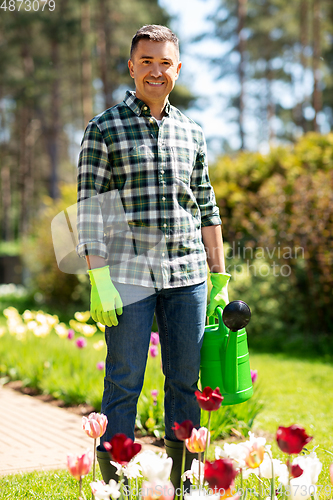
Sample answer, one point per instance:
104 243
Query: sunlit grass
55 485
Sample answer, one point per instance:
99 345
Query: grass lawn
297 391
53 485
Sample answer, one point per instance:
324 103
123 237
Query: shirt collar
139 107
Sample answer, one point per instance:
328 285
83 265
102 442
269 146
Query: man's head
155 33
154 65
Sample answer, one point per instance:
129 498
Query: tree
271 48
53 64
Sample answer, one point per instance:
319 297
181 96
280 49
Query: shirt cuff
92 248
212 220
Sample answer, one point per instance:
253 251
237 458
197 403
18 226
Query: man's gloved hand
104 298
219 292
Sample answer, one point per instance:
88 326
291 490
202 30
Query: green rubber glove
104 298
219 292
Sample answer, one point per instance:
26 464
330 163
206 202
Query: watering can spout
224 355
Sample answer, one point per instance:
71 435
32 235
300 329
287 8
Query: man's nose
156 71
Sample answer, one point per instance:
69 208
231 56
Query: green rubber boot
174 449
108 470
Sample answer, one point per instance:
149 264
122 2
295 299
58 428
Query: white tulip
155 467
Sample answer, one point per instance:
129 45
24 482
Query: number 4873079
28 5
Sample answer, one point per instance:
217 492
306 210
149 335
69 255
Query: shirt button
162 171
144 108
164 225
163 198
163 254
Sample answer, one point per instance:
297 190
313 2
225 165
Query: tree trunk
316 96
87 102
304 38
241 14
106 51
7 233
24 116
54 128
270 104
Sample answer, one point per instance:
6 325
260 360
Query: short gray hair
155 33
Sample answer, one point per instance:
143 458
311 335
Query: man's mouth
156 84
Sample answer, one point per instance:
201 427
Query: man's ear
131 68
178 69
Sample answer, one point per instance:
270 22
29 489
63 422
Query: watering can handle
212 319
230 368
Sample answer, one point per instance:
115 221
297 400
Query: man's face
155 68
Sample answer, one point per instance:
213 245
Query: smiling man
155 263
155 68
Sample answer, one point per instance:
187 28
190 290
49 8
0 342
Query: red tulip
208 399
220 474
121 448
296 471
184 430
292 439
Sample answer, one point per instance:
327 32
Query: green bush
277 216
61 292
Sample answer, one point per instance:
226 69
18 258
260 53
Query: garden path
36 435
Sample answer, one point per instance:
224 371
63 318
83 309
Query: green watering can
225 359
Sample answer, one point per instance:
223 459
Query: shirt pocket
141 152
182 164
135 161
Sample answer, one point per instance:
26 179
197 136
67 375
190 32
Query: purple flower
81 342
153 351
70 334
154 393
100 365
254 375
154 338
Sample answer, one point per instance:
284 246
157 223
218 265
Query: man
153 158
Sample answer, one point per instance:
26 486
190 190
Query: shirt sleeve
203 190
93 180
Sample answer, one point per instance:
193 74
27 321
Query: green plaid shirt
144 194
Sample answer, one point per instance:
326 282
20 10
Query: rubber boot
174 449
108 470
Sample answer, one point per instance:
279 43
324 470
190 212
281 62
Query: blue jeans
180 314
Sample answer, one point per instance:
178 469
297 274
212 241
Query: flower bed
230 475
67 362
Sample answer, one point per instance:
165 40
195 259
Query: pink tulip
153 351
81 342
160 491
254 455
70 334
331 473
154 338
197 442
254 375
100 365
95 425
80 465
